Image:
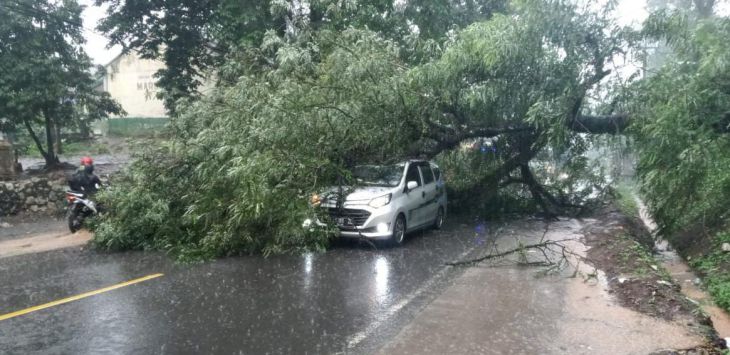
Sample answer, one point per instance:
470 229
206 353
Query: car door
413 198
440 187
429 194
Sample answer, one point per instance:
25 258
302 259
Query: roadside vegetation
294 112
682 122
88 147
46 81
507 96
140 127
622 248
626 200
715 267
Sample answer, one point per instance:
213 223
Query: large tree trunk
84 129
57 137
489 184
547 202
50 154
614 124
35 138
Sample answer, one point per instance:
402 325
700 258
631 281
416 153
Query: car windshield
378 175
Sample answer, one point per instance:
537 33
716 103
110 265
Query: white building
130 81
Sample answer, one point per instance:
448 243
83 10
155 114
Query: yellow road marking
77 297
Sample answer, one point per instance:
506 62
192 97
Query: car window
436 173
427 174
378 175
413 175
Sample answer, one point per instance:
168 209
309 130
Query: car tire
399 231
439 221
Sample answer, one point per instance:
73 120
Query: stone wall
7 160
37 194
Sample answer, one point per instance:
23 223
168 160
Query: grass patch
137 126
715 267
72 148
637 259
625 199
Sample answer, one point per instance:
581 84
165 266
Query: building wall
130 81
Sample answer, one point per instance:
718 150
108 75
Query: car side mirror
411 185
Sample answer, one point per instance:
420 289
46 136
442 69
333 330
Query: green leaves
293 115
247 157
44 73
680 114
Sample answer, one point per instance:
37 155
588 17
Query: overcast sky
629 11
96 43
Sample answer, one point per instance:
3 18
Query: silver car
390 201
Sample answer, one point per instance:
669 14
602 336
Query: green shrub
237 175
137 126
715 268
626 201
680 121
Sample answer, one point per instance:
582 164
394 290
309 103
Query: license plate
344 221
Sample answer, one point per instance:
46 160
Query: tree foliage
681 124
195 38
44 73
297 112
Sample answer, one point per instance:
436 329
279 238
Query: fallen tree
293 116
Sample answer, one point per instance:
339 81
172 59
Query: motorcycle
79 207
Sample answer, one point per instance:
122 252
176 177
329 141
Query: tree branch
448 138
611 124
540 246
511 180
35 138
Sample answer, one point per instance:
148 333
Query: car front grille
348 217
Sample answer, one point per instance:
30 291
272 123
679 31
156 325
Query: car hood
360 193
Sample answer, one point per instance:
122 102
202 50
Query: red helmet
86 161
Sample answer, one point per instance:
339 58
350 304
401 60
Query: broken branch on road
561 255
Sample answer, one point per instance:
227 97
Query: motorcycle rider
84 179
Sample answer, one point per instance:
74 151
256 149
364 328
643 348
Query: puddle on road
592 322
685 277
498 308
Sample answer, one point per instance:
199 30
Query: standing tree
681 122
193 37
190 36
44 73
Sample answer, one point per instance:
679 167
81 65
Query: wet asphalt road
351 299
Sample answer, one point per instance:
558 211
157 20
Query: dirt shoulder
35 233
27 225
618 247
44 242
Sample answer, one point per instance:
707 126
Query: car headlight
380 201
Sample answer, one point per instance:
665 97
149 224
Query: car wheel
439 221
399 231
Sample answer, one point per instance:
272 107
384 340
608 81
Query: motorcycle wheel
73 217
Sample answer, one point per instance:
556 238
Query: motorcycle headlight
380 201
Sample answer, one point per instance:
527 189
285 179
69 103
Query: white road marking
358 337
